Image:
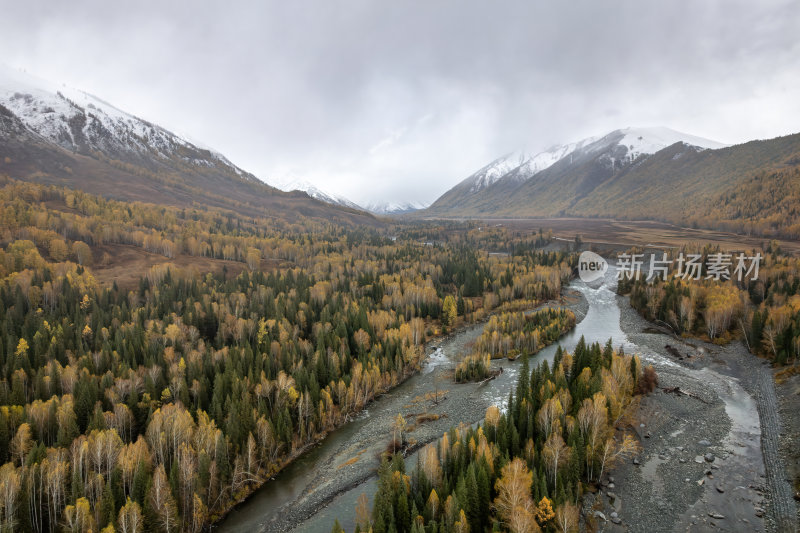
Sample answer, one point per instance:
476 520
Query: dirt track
782 505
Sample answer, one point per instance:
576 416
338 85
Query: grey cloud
335 91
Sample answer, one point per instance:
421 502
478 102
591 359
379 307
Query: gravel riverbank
702 464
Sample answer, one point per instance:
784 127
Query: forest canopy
157 405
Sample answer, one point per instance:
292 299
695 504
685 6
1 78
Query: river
299 479
316 489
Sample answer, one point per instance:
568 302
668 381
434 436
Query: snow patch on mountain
648 141
394 208
548 158
521 165
293 183
79 121
495 170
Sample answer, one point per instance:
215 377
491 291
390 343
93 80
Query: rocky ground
788 393
708 461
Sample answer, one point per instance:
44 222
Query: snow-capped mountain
394 208
82 123
648 141
292 183
494 171
520 165
63 136
576 167
624 146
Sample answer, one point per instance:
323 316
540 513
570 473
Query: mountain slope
498 182
62 136
631 174
578 175
676 181
506 172
766 204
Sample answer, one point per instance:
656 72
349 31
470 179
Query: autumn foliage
557 433
763 313
513 335
158 407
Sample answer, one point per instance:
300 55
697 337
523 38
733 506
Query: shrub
648 381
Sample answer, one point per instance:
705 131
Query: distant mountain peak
394 208
293 183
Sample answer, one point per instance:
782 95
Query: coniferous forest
156 401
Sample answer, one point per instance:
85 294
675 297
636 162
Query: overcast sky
390 100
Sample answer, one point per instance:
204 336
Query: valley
664 488
643 174
622 234
309 479
187 346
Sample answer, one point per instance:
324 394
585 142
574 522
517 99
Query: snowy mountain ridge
293 183
519 166
509 178
80 122
651 140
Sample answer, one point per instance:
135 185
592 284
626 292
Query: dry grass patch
428 417
352 460
781 376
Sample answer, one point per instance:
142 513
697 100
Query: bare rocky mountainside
57 135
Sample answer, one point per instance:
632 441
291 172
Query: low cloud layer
384 101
